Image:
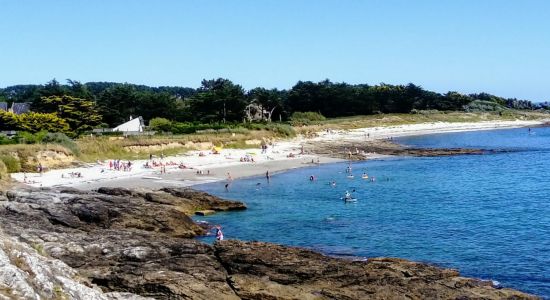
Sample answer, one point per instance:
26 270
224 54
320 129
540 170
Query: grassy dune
422 117
93 148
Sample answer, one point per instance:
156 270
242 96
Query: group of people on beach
119 165
247 158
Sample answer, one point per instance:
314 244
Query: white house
134 125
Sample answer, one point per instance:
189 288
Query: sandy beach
197 167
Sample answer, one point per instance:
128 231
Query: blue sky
497 46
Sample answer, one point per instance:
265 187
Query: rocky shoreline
116 243
363 150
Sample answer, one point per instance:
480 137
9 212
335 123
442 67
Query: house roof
4 106
20 107
132 125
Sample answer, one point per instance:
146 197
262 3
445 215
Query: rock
206 212
266 271
26 274
122 244
204 200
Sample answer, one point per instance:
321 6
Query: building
134 125
19 108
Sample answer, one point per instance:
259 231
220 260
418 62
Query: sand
218 167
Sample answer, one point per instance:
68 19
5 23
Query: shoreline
219 167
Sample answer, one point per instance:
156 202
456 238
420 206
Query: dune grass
140 147
347 123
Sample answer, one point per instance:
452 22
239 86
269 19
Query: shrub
160 124
483 106
61 139
305 118
11 163
4 140
283 129
24 137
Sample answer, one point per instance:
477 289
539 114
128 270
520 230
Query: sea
486 215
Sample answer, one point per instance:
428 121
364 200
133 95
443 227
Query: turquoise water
486 215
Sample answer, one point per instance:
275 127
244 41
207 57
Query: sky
496 46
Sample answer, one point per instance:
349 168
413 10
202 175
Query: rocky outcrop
119 243
26 273
353 150
266 271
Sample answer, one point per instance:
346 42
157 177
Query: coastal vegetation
220 113
75 108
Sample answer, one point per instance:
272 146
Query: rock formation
265 271
117 243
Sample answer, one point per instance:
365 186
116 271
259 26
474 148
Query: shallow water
486 215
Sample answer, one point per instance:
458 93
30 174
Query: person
227 187
311 178
267 175
219 233
347 196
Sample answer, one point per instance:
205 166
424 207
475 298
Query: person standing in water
219 233
267 176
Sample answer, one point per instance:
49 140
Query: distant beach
197 167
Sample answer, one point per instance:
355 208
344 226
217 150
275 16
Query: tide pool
486 215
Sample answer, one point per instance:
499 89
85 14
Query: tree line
77 107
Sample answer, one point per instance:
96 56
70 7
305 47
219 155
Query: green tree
160 124
269 101
118 103
81 114
218 100
8 120
35 122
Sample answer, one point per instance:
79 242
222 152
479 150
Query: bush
11 163
281 129
305 118
24 137
4 140
160 124
61 139
483 106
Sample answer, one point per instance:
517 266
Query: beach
198 167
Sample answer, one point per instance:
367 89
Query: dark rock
204 200
266 271
139 242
